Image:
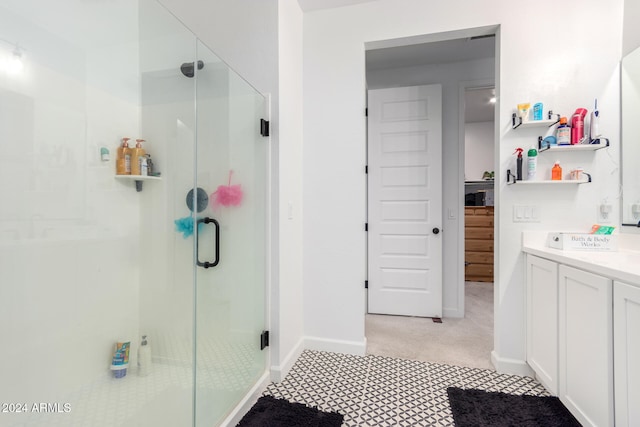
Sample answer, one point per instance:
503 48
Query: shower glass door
231 159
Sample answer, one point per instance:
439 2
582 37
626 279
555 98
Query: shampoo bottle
144 357
137 157
532 163
123 158
563 133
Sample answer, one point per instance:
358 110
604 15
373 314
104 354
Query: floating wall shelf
552 119
550 182
511 179
139 179
603 143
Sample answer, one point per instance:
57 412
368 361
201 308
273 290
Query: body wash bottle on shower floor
144 357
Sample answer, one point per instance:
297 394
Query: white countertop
622 265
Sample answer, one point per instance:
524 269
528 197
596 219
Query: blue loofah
185 226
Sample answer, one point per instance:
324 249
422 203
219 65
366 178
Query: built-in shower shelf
139 179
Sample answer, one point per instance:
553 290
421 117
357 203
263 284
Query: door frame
463 86
494 29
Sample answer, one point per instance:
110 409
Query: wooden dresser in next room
478 242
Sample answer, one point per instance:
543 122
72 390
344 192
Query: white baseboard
452 312
511 366
359 348
279 372
247 402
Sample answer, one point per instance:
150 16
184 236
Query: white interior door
405 201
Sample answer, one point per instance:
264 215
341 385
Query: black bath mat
484 408
271 412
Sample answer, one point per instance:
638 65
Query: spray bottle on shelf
594 124
532 163
123 158
519 164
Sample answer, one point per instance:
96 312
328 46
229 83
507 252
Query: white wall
631 32
288 306
479 148
531 68
450 76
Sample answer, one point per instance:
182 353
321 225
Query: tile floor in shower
383 391
162 398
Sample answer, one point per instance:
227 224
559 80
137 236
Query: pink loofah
227 195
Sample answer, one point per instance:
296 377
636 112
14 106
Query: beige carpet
463 342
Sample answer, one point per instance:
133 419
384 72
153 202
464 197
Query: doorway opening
416 238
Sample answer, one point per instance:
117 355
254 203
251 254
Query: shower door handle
208 264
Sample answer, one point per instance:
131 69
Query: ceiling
440 52
477 105
311 5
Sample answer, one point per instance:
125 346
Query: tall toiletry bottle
556 171
563 133
137 155
532 163
577 126
123 158
519 164
144 357
594 124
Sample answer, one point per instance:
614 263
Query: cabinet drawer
478 221
479 257
478 245
478 233
480 270
478 210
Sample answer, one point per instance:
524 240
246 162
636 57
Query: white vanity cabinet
585 337
542 320
626 336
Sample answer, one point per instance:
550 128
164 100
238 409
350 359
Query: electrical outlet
604 213
635 211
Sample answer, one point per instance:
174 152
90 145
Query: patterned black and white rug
383 391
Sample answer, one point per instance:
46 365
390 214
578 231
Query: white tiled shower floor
111 402
162 398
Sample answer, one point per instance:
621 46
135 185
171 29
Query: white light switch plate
526 213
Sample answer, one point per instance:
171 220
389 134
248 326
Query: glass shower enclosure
90 259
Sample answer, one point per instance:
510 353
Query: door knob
436 230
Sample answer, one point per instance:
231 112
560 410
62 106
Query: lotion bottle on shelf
556 171
137 158
123 158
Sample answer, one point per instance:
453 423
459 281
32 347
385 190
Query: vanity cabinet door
626 338
586 346
542 320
